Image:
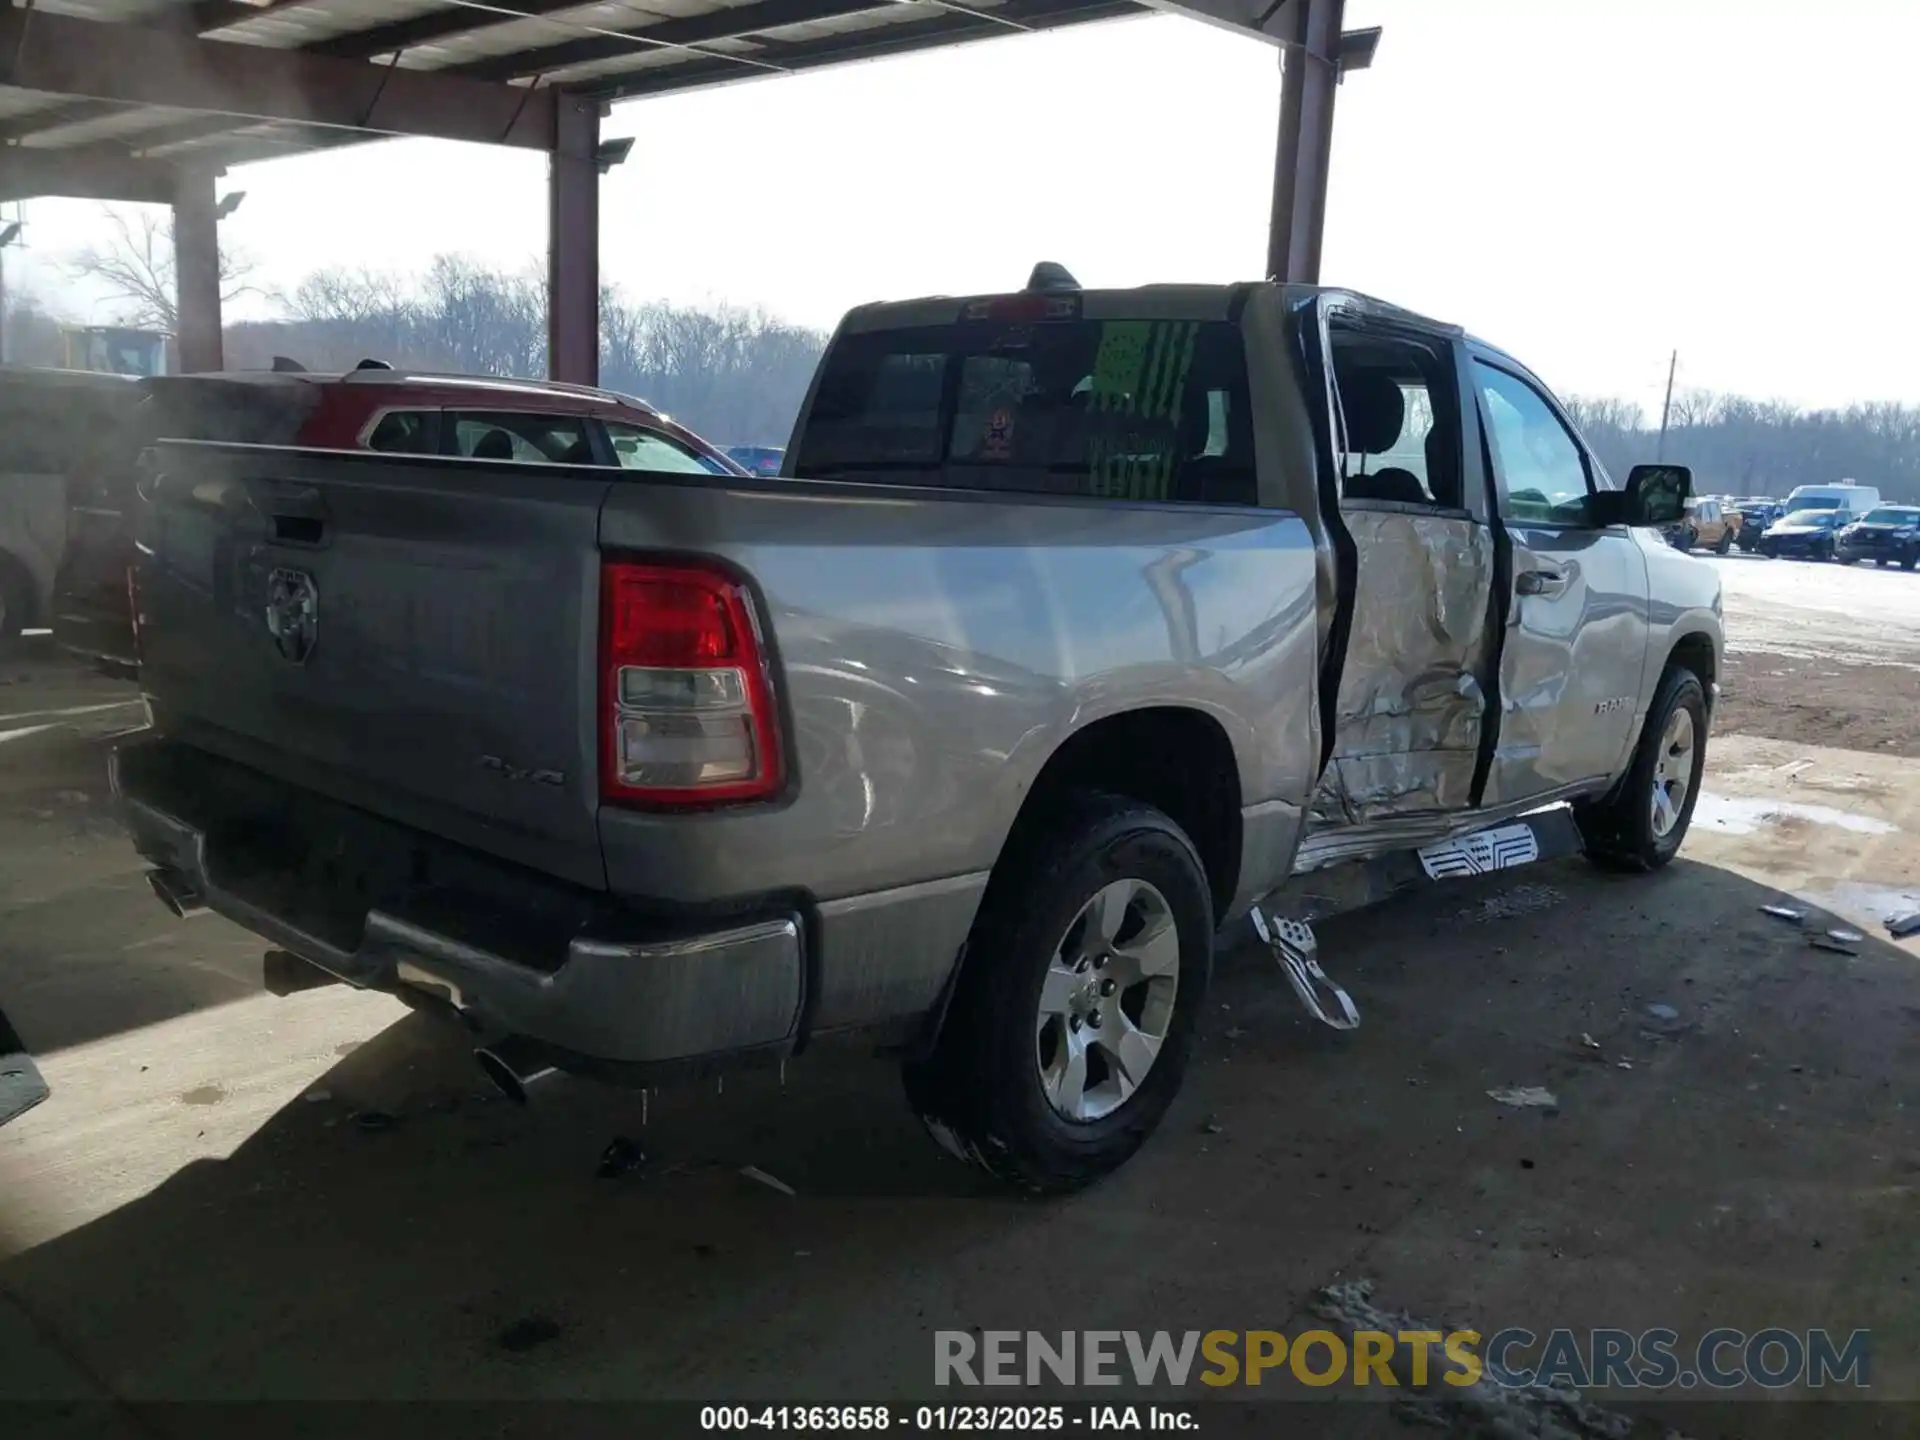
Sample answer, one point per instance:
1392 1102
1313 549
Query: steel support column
196 271
1310 71
573 245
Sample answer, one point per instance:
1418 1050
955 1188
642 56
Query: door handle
1545 583
296 514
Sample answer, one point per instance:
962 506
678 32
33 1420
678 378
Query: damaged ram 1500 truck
1079 623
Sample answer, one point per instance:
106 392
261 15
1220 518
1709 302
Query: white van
1851 500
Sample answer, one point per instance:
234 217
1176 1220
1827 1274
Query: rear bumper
567 974
1797 547
1879 551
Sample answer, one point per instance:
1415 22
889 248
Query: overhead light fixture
9 232
229 203
609 153
1357 47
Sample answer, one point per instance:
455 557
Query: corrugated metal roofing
611 49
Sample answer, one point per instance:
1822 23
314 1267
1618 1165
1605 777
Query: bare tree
1695 408
137 266
736 375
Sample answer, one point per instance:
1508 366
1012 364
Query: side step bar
1547 834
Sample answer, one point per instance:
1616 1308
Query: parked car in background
1757 512
373 408
1886 535
1081 622
1848 500
758 459
48 421
1707 523
1802 535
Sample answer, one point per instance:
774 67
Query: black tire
1619 830
1725 543
1908 563
980 1090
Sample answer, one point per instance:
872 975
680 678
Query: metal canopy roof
92 91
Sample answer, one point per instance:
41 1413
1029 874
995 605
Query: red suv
372 408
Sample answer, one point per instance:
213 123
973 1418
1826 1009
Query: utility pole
1666 408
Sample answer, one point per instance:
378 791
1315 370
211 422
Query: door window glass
403 432
1397 444
1541 471
532 439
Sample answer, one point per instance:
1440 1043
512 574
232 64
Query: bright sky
1587 183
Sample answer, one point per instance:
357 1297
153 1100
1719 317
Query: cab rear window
1153 410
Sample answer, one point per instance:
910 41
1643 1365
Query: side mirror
1655 495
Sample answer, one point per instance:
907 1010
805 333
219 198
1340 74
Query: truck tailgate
414 637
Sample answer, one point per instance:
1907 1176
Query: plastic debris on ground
621 1157
772 1182
374 1120
1525 1097
1845 936
1821 942
317 1097
1905 923
1784 912
1663 1012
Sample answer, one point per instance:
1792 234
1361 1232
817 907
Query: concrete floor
196 1215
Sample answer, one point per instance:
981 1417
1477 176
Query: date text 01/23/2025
935 1419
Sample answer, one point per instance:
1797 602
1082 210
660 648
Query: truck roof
1169 301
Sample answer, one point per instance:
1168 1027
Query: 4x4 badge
293 614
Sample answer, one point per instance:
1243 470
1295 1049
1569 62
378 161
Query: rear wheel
1908 563
1641 824
1075 1010
1724 544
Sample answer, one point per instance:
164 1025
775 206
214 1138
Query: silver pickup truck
1078 624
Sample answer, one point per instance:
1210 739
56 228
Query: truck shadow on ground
464 1248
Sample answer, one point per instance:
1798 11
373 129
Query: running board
1294 946
1546 834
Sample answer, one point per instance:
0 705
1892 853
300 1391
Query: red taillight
686 704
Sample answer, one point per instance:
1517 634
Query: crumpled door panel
1411 703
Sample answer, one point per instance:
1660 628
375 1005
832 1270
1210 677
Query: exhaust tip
176 892
502 1076
511 1069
